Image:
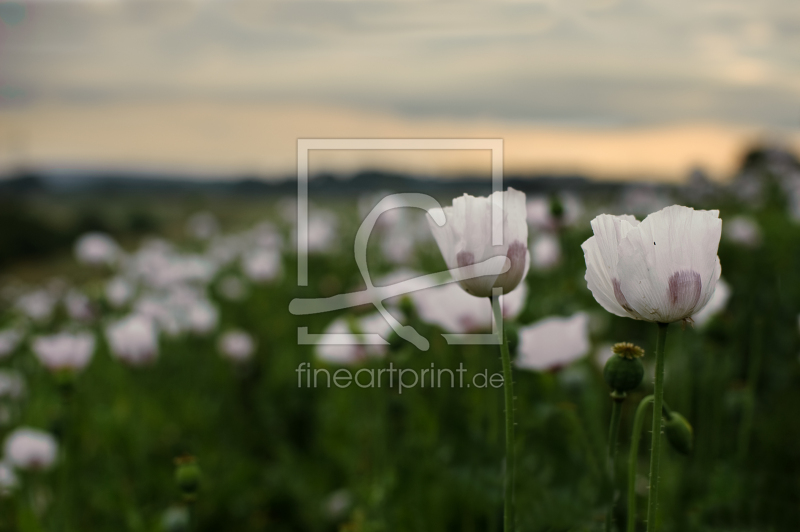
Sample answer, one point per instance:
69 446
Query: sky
159 83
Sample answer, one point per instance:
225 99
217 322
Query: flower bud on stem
623 372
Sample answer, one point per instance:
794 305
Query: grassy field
275 455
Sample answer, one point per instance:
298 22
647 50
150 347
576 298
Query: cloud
591 61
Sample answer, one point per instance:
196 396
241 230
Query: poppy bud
624 371
679 433
187 476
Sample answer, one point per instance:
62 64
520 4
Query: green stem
613 433
638 424
655 452
508 387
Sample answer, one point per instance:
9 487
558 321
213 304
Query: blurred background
148 154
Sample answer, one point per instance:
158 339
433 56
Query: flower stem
753 373
613 433
655 451
638 423
508 388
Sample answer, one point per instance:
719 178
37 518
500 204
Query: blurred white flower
119 291
203 317
466 240
715 305
9 340
78 306
12 385
323 227
262 264
397 245
232 288
553 342
237 346
30 449
333 349
97 249
202 225
455 311
133 339
37 305
743 230
157 265
545 252
663 269
64 351
160 313
266 235
8 479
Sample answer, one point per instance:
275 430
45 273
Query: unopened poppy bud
187 476
679 433
624 371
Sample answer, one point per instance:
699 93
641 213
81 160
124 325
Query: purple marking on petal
516 255
465 258
684 288
620 296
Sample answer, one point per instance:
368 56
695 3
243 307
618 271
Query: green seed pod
679 433
623 374
187 476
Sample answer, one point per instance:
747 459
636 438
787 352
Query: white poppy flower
331 349
455 311
78 306
466 239
545 252
27 448
237 346
553 342
64 351
9 340
133 340
715 305
12 385
203 317
663 269
262 264
96 248
37 305
119 291
744 231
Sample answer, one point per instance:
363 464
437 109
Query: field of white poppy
152 377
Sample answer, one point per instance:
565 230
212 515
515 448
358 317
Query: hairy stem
508 388
655 451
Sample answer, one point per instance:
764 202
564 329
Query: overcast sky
643 87
576 62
